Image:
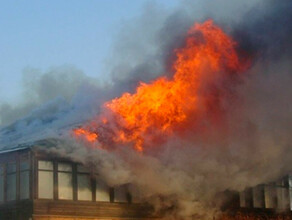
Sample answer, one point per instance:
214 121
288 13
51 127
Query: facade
275 195
37 186
271 201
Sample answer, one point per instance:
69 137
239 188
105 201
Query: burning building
37 185
211 133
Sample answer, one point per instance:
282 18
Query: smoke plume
184 177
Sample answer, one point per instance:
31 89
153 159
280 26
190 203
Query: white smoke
51 103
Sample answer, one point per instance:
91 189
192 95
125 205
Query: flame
90 136
203 70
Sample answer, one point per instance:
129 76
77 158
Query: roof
43 143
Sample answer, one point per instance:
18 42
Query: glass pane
121 194
11 187
1 169
82 169
24 185
290 180
84 187
102 192
45 165
280 182
65 185
46 184
24 165
1 188
282 198
64 167
258 197
270 196
242 199
11 168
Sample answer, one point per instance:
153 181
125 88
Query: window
24 179
242 199
65 186
258 196
246 198
102 191
282 195
290 189
45 180
11 181
84 187
270 196
121 194
1 183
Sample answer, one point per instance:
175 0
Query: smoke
41 87
185 176
51 102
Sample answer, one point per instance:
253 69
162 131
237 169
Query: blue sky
46 33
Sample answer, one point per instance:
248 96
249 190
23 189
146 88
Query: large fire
203 71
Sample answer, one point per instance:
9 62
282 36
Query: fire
203 69
90 136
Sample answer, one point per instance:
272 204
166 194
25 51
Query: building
267 201
37 186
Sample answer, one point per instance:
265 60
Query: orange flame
90 136
202 71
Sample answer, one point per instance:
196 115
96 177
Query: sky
44 34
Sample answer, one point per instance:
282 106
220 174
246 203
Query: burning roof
206 70
215 116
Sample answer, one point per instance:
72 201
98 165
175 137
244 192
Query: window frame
3 174
57 171
110 191
74 173
91 182
29 171
16 173
124 190
37 169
